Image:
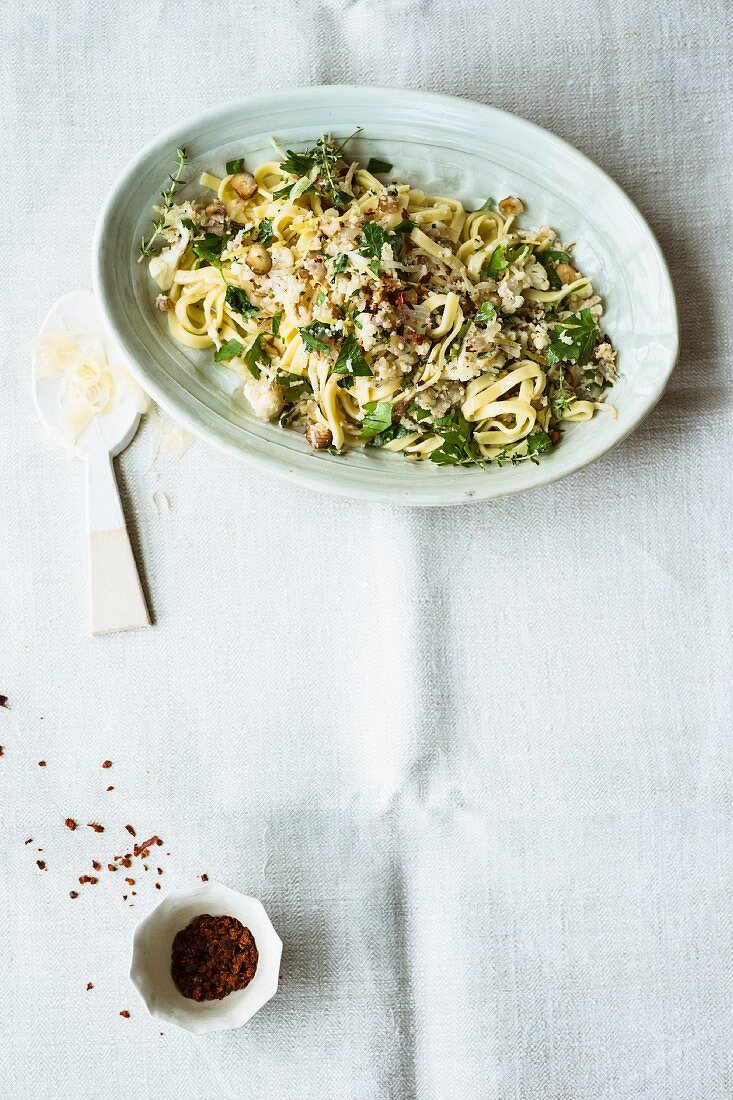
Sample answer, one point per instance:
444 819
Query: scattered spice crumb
90 985
159 870
110 788
124 897
41 763
130 830
2 751
39 849
125 1014
130 881
73 893
204 878
143 849
157 886
29 840
106 763
70 823
97 866
111 867
96 826
88 878
40 864
4 702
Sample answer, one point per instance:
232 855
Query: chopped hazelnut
259 259
319 437
565 273
164 303
510 206
244 184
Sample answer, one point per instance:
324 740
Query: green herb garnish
459 448
583 333
323 156
293 386
234 166
377 166
237 300
310 334
228 351
501 257
277 318
417 412
256 355
166 198
373 239
378 418
485 314
340 263
351 362
548 260
264 232
209 248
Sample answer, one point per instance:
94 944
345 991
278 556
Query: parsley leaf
264 232
405 226
340 263
277 318
417 412
378 418
373 239
377 166
485 314
351 362
320 298
394 431
256 355
538 444
284 192
581 331
209 249
293 386
227 351
309 335
458 447
237 300
486 204
501 257
548 260
234 166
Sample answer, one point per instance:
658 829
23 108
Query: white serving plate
443 145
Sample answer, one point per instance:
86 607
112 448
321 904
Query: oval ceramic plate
443 145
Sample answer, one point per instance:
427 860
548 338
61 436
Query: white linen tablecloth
477 763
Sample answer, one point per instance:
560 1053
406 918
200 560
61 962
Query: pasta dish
360 311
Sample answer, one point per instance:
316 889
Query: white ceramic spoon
117 600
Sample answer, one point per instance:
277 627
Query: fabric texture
477 763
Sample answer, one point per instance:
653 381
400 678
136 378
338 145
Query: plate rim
332 483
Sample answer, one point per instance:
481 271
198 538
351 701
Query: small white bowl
150 966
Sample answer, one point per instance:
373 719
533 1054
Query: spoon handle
117 599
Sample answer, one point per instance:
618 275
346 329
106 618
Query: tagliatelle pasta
368 313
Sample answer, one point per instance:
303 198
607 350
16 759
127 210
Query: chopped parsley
373 239
320 298
340 263
277 318
393 431
237 300
548 260
256 355
501 257
459 448
538 444
310 335
293 386
573 339
209 248
284 192
417 412
486 204
234 166
324 157
228 351
378 418
264 232
485 314
351 362
377 166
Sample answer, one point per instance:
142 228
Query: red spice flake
110 788
130 830
126 861
73 893
97 866
70 823
157 886
90 985
41 763
143 849
111 867
4 703
40 864
159 870
88 878
204 878
29 840
106 763
125 1014
130 881
2 751
213 956
124 897
96 826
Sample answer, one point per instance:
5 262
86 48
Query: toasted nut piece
215 210
319 437
511 205
244 184
565 273
259 259
494 298
164 302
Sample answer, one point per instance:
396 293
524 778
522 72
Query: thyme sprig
166 202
